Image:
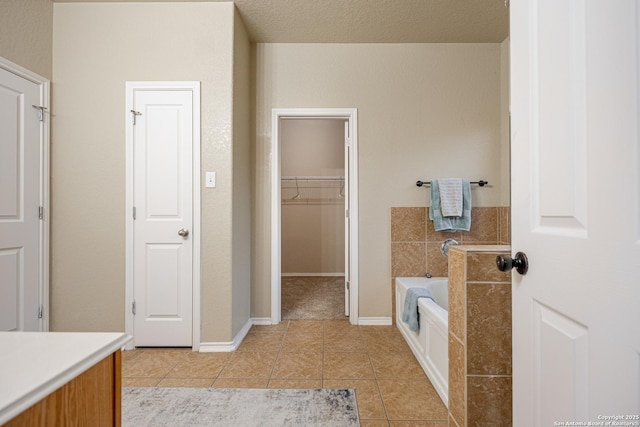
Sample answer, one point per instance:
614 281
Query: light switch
210 180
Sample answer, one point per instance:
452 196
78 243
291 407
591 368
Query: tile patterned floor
391 387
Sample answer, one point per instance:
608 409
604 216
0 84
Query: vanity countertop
34 364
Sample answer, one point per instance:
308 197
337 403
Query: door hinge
134 212
133 308
40 310
40 112
135 114
348 286
346 213
40 212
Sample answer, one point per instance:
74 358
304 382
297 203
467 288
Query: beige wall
506 129
424 110
312 227
26 30
96 48
241 214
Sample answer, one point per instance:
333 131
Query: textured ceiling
372 21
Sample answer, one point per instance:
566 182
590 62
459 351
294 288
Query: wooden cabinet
76 388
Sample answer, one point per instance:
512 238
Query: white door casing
351 200
347 222
24 199
575 210
162 261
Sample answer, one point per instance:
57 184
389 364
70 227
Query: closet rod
481 183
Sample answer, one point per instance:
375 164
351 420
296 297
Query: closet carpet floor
312 297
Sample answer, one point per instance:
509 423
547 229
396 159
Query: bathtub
430 344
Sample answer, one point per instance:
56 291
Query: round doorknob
183 232
519 262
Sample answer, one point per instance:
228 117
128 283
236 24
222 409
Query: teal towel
450 223
410 314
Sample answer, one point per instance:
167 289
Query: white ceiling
370 21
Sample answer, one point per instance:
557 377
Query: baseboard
261 320
227 346
375 321
312 274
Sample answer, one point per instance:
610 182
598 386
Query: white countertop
34 364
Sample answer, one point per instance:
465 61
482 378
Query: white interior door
163 224
20 201
347 222
575 209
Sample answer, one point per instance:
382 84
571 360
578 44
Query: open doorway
314 214
312 185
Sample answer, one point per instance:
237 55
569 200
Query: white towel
450 196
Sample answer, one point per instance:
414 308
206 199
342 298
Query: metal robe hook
41 111
135 113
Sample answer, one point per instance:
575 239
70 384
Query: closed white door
575 208
20 187
163 224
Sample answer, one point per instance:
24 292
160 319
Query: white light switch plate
210 180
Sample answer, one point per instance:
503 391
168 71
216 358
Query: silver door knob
184 232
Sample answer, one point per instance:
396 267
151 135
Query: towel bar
481 183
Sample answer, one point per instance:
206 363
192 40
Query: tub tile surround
415 245
479 337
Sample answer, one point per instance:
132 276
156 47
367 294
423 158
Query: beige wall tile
481 266
488 329
408 259
484 226
457 380
489 401
504 224
407 224
457 284
437 264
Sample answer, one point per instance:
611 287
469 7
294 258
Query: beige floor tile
335 326
297 326
259 341
344 342
421 423
249 365
276 383
240 383
396 366
411 400
186 382
130 355
298 365
368 397
347 366
374 423
200 365
306 341
280 327
152 363
386 342
140 382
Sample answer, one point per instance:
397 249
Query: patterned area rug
237 407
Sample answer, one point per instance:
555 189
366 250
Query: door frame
44 231
194 87
351 116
